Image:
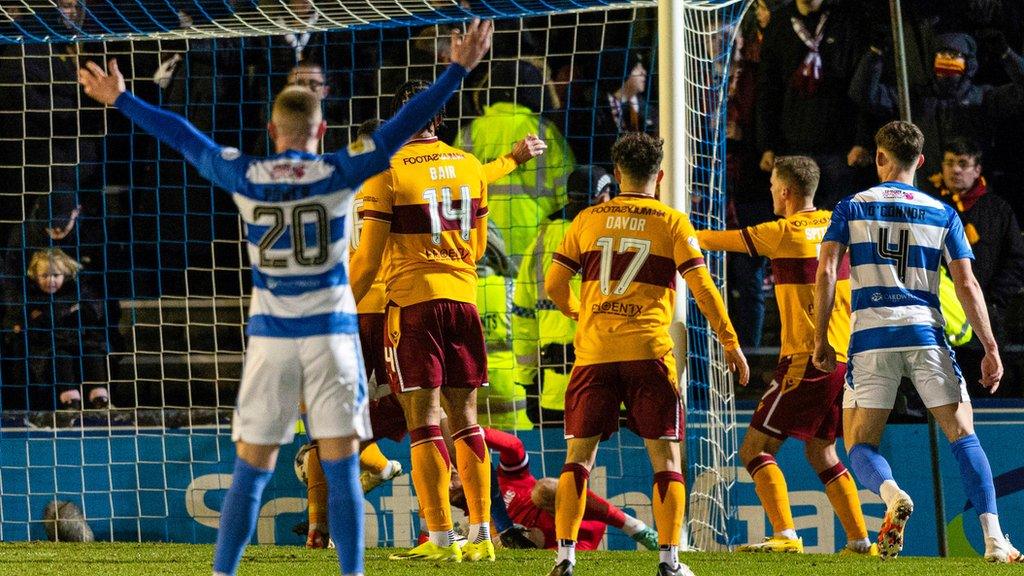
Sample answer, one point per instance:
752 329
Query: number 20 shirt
628 251
435 199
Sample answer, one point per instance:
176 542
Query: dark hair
638 155
800 171
962 146
518 81
368 127
902 140
405 92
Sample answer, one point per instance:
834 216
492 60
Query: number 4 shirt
897 236
627 251
435 199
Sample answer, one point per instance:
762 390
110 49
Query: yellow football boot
483 550
775 545
430 552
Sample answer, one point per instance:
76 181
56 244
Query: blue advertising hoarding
168 485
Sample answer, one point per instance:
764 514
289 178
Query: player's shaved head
638 156
296 113
801 173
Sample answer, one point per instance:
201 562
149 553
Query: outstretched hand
528 148
469 47
102 86
62 233
737 364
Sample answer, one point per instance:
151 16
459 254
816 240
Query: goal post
697 37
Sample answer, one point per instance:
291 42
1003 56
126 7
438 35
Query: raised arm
108 87
968 291
467 50
866 87
824 299
770 94
1013 64
522 152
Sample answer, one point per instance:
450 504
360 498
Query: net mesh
709 31
160 303
32 21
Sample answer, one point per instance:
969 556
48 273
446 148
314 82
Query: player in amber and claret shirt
628 252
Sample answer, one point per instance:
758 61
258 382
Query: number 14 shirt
627 251
435 199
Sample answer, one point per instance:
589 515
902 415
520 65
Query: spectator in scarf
994 234
953 105
808 56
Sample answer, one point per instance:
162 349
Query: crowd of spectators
810 77
134 218
817 77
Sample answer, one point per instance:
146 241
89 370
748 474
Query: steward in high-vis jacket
502 404
542 336
520 202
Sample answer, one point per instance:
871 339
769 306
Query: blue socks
871 470
345 511
499 513
976 474
238 515
869 466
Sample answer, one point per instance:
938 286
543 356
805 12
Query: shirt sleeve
763 239
499 168
685 247
728 240
377 198
956 247
225 167
839 227
367 156
568 253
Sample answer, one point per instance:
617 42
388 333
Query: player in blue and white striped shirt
303 330
897 237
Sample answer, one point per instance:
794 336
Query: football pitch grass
29 559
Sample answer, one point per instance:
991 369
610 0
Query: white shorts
872 378
324 372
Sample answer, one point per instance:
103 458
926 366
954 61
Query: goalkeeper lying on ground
523 507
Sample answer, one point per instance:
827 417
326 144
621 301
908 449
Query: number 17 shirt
628 251
435 199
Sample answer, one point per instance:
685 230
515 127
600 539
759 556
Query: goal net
706 32
156 316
